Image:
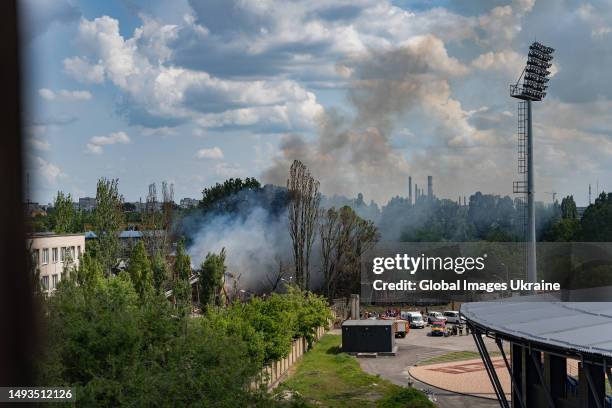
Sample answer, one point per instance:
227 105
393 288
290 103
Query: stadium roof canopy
571 327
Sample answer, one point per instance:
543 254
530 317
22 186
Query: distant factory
418 192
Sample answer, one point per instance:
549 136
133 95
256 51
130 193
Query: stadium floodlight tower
535 76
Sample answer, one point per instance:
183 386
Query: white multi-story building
54 254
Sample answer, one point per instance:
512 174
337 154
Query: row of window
63 252
44 281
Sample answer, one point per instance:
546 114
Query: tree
596 222
160 272
107 221
139 269
213 198
182 273
568 208
64 218
304 199
344 238
212 273
89 272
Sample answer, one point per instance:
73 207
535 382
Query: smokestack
464 201
416 192
410 189
589 193
430 187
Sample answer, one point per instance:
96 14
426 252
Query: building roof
368 322
51 234
580 326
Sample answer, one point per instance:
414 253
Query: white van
415 318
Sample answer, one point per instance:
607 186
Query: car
438 328
415 318
435 317
454 317
402 327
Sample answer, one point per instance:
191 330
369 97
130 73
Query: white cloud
64 95
48 171
81 70
38 144
214 153
95 143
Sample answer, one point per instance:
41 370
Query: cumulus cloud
97 142
49 172
83 71
64 95
214 153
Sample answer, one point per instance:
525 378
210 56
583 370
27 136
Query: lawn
326 377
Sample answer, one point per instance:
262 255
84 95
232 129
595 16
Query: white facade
54 254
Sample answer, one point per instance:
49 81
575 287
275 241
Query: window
72 253
45 256
54 255
62 254
79 251
44 281
53 281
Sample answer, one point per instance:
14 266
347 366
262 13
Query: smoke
254 240
355 154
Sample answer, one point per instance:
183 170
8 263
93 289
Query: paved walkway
465 377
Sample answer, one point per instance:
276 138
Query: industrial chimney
410 189
430 187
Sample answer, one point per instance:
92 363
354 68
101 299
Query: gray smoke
355 154
254 240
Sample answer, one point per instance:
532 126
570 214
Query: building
189 203
53 254
87 203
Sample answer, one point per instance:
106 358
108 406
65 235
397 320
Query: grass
326 377
455 356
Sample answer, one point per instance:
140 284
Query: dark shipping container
368 336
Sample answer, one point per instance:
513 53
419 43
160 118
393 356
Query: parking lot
418 346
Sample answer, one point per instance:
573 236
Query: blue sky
365 92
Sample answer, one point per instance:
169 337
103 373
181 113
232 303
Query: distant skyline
365 92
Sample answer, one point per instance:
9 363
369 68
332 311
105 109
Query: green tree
64 216
212 273
596 222
568 208
139 269
89 272
213 197
107 221
160 272
181 287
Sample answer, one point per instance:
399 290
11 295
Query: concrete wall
53 254
272 375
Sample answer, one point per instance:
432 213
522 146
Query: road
417 346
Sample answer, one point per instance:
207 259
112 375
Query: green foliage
596 221
107 220
64 218
405 398
139 269
182 264
211 278
568 208
211 196
117 349
564 230
89 272
160 272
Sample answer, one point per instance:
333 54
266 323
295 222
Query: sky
364 92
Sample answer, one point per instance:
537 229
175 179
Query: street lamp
535 77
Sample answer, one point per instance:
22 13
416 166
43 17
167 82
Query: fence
272 375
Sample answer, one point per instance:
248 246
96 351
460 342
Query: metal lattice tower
535 77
